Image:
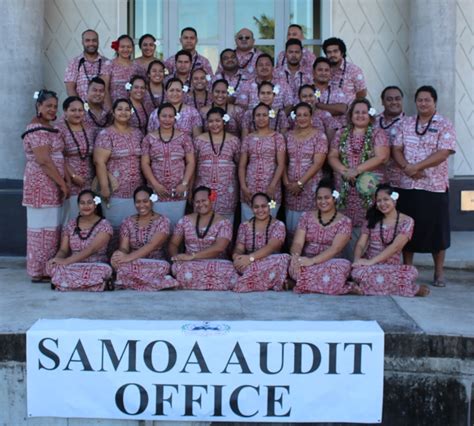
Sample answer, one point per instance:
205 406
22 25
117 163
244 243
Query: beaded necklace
142 128
254 231
146 238
388 125
82 157
153 98
426 128
320 218
394 232
366 150
248 62
92 116
217 152
163 139
82 62
341 81
200 234
78 230
195 100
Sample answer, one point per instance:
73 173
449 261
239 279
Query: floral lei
366 151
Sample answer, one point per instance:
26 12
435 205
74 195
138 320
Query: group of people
321 193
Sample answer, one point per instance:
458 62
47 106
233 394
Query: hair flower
185 88
272 204
272 113
335 194
293 115
157 43
230 90
394 195
372 111
317 93
213 196
276 89
97 200
36 95
177 116
153 198
208 78
226 118
86 107
115 45
128 86
166 72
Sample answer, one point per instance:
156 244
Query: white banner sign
268 371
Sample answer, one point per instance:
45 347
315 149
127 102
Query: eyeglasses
244 37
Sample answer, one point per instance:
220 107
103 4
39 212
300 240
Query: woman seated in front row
377 268
320 236
80 263
256 255
206 236
139 261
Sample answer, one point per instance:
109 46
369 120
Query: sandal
439 283
109 285
423 291
41 279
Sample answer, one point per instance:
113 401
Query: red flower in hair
115 45
213 196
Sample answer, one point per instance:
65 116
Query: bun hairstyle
261 104
374 215
69 100
201 188
143 188
143 37
215 110
260 194
221 80
173 80
153 63
325 183
120 100
164 106
303 105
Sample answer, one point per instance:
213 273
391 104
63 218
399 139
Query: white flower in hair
157 43
272 204
276 89
335 194
97 200
128 86
208 78
226 118
177 116
293 115
36 95
394 195
86 107
230 90
185 88
272 113
153 198
166 72
372 112
317 93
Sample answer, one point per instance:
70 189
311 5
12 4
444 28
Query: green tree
266 29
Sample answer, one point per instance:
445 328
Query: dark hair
137 77
220 80
260 194
265 83
226 50
173 80
125 36
143 37
89 30
154 62
430 89
44 95
390 88
196 70
69 100
356 101
120 100
98 207
320 59
201 188
260 104
374 215
303 105
325 183
215 110
293 42
305 86
189 29
96 80
296 26
143 188
166 105
335 41
183 53
262 56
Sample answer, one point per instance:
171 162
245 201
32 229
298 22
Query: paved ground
446 311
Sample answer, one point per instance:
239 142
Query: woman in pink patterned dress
188 119
257 255
278 119
320 237
168 164
78 146
139 261
117 160
147 44
119 71
357 149
81 262
220 99
306 150
155 94
198 97
206 236
262 162
217 156
44 185
139 118
377 267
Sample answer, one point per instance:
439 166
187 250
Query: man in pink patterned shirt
83 68
308 57
344 75
247 53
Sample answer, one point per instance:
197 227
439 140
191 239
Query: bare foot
423 291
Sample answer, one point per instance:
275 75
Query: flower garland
366 151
